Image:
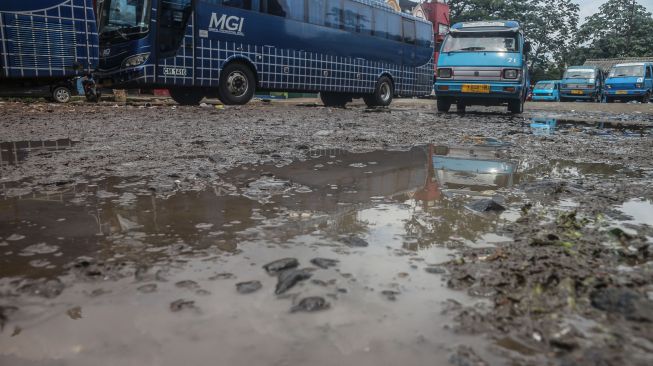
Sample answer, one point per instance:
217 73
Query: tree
621 28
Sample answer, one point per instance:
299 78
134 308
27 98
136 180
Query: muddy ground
142 233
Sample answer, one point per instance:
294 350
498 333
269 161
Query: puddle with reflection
639 212
547 126
162 270
14 152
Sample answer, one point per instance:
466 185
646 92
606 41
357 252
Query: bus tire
237 84
444 105
337 100
61 94
516 106
383 93
186 96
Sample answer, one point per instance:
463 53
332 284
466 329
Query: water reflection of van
633 81
582 82
474 168
547 90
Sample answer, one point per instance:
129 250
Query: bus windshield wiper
472 49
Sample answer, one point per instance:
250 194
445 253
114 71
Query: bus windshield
625 71
123 18
482 42
579 74
544 86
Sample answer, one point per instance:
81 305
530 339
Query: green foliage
620 28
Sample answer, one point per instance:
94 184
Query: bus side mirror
527 47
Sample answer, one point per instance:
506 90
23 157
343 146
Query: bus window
364 24
242 4
316 11
394 27
174 16
424 35
284 8
409 30
351 16
333 14
380 23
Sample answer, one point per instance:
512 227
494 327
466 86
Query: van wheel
383 93
186 96
461 107
338 100
61 94
237 84
646 98
443 105
516 106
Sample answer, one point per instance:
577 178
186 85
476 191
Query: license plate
476 88
577 92
622 92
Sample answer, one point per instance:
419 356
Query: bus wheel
338 100
237 84
516 106
186 96
61 94
443 105
383 93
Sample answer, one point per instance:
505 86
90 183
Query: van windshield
579 74
625 71
544 86
481 42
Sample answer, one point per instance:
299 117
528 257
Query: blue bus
45 44
483 63
229 49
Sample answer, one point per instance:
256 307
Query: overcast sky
589 7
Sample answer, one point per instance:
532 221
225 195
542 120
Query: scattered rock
485 205
465 356
5 312
222 276
311 304
248 287
187 284
325 263
75 313
632 305
181 304
289 278
354 242
281 265
435 270
147 289
44 288
390 294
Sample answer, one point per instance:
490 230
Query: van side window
242 4
316 11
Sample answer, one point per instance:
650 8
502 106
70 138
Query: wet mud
273 234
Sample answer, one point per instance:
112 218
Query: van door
648 80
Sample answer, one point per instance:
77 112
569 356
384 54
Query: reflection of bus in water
343 49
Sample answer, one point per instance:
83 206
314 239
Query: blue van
633 81
547 90
582 82
483 63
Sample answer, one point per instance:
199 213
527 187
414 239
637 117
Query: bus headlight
510 74
444 73
136 60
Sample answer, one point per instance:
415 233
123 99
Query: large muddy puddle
108 272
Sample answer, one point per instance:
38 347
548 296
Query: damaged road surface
286 235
